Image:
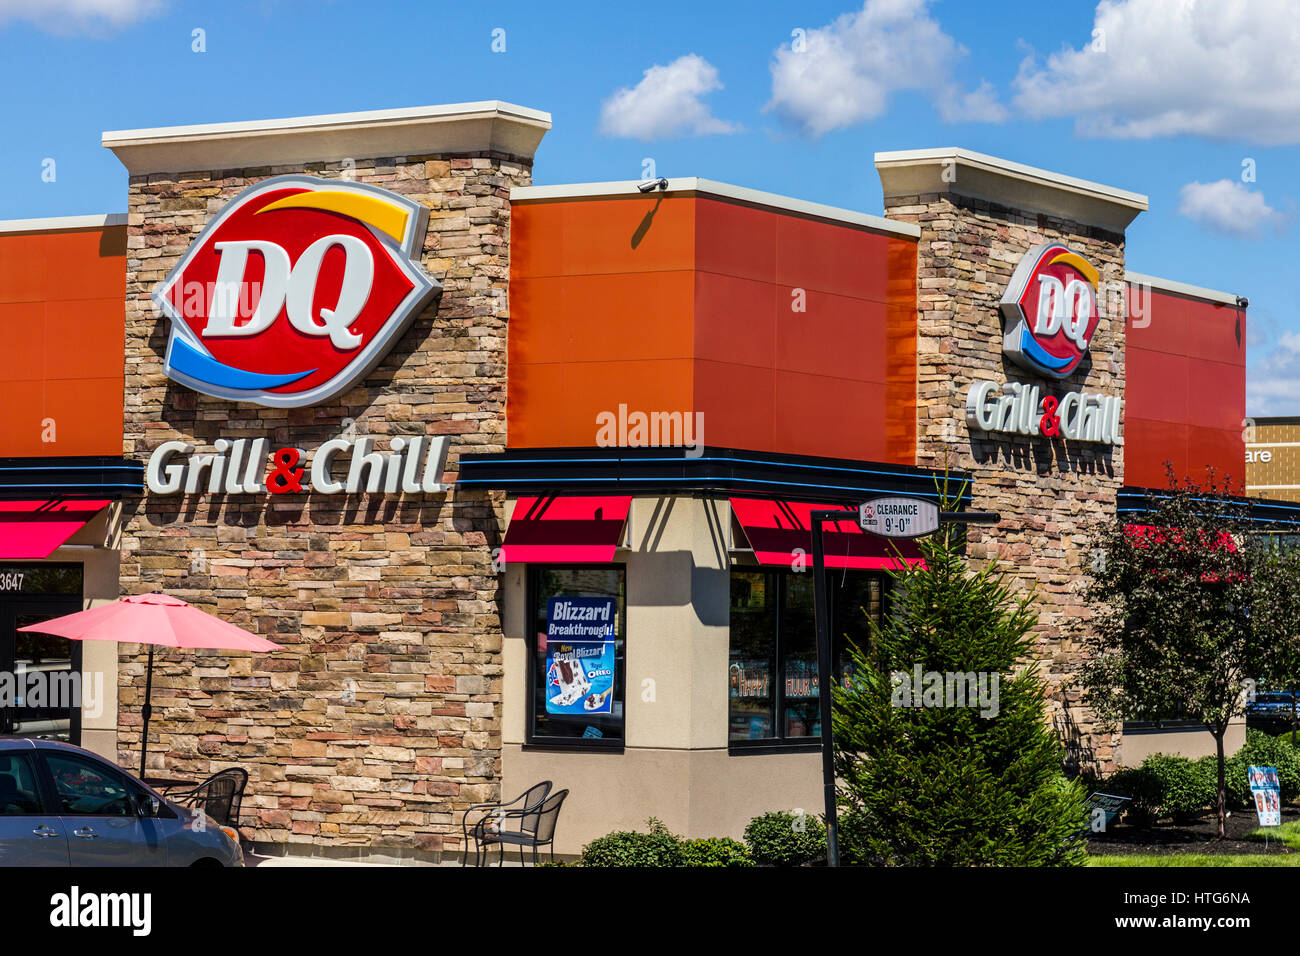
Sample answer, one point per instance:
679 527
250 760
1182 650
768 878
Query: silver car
61 805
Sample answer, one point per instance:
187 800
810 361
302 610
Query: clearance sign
295 291
1050 314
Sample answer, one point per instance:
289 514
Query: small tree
933 781
1188 613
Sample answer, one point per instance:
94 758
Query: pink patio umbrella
153 619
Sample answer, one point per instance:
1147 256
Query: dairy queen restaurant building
519 476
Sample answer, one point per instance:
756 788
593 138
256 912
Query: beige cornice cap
632 189
456 128
914 172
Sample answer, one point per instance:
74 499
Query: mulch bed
1200 836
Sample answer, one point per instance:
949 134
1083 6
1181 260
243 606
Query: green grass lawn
1192 859
1288 833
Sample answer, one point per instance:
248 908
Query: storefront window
773 685
753 656
46 670
576 684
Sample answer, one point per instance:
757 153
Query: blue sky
1163 97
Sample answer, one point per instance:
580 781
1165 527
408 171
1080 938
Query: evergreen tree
940 781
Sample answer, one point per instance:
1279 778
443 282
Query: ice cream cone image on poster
568 675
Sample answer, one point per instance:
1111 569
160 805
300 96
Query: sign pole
824 676
925 519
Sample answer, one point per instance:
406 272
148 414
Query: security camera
650 185
1243 302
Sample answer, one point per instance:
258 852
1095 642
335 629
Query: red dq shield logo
1050 308
295 291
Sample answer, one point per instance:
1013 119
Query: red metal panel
1185 389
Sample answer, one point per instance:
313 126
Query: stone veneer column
978 216
381 719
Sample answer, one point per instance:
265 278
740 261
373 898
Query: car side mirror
146 805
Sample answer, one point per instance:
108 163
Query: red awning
562 530
34 529
776 529
1143 535
1140 534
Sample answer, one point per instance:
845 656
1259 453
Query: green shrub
1187 787
783 839
658 848
715 852
1261 750
1142 787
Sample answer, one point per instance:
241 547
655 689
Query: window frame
37 769
133 788
783 744
533 741
50 602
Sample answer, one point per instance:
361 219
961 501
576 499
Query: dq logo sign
295 291
1050 308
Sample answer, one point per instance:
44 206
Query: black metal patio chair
536 829
221 796
530 799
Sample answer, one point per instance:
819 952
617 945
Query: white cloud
1222 69
73 16
980 105
666 103
1273 381
1275 394
846 71
1227 207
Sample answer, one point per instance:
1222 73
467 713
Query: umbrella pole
147 711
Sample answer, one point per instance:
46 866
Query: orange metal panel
23 357
84 338
556 404
900 354
583 236
87 413
682 304
20 425
23 264
64 292
600 317
97 258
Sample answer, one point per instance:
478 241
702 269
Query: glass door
40 676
